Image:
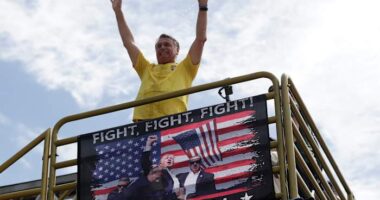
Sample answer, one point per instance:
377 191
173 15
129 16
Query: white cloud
3 119
26 164
64 45
24 135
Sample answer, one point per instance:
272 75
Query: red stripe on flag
204 141
235 116
203 156
168 143
181 164
236 140
224 179
176 152
233 127
104 191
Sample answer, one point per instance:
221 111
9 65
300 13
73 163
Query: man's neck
197 172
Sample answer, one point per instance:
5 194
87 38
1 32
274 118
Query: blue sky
59 58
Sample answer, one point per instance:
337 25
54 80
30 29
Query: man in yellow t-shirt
167 75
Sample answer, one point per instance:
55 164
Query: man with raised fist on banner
167 75
168 180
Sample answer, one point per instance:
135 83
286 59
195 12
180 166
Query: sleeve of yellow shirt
190 68
141 65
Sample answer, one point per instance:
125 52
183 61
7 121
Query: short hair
153 167
195 159
163 35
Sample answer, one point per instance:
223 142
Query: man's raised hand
116 5
151 139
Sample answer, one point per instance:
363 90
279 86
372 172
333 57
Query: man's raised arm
125 32
196 48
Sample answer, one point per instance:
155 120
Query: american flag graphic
201 141
235 140
117 160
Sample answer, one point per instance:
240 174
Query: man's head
155 173
167 161
195 164
167 49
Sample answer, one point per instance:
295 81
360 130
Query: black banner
216 152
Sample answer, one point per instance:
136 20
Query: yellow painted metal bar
272 120
280 142
351 197
270 95
66 186
306 169
195 89
18 194
276 169
67 163
313 162
303 186
289 140
320 139
45 165
67 141
52 175
64 194
316 149
273 144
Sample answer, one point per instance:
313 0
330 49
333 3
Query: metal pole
45 165
289 140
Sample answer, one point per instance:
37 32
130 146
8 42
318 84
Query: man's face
167 161
195 166
166 51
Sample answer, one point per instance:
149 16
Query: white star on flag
246 197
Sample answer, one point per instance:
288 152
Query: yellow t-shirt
157 79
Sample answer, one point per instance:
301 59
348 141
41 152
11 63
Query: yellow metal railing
46 137
271 95
303 156
306 148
